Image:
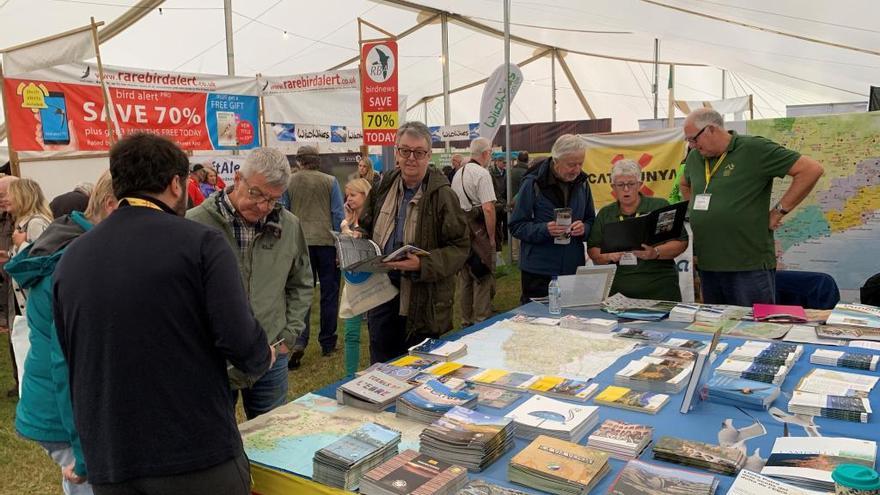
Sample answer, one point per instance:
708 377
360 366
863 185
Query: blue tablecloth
702 423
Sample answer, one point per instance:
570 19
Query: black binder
659 226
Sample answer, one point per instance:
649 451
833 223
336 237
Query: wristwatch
778 207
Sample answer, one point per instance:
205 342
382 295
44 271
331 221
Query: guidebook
556 466
621 440
809 461
642 478
363 255
859 315
659 226
624 398
750 483
412 473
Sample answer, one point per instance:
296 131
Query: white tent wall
61 175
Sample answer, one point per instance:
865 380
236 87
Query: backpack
870 292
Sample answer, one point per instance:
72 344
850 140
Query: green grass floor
25 469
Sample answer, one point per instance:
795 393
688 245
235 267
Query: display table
702 423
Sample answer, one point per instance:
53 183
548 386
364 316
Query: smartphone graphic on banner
54 119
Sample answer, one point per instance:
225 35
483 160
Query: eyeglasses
693 139
258 196
407 152
626 185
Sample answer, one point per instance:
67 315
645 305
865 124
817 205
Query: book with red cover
779 313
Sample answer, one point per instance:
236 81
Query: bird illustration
86 73
730 436
755 462
383 61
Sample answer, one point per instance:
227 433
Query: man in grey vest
316 199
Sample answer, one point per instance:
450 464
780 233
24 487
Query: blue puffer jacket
44 412
539 195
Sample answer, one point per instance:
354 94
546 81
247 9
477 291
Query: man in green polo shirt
728 180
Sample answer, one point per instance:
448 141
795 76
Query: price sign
379 92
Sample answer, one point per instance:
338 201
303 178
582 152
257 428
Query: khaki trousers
475 296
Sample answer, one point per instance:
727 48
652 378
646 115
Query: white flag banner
73 47
493 107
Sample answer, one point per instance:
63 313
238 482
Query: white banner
462 132
74 47
346 79
121 77
225 165
278 133
493 107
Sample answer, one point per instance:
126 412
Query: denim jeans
323 259
269 392
62 454
739 288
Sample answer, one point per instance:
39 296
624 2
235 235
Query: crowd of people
146 327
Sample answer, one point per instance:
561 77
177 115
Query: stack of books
684 354
560 388
545 416
651 374
598 325
433 399
556 466
409 471
741 393
648 336
822 381
506 380
373 391
711 314
778 353
468 438
439 350
856 409
621 440
679 343
624 398
843 359
645 478
768 373
445 371
497 398
809 461
724 460
342 463
684 313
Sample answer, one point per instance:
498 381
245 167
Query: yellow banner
658 153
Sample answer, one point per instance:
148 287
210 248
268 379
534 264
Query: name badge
701 202
628 259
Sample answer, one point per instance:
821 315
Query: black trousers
533 285
323 260
232 477
388 332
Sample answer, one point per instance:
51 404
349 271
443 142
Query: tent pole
656 73
444 40
723 84
508 179
426 112
671 91
104 93
553 85
13 155
230 54
576 87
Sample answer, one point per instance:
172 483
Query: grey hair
702 117
626 168
416 129
567 144
86 187
480 146
270 163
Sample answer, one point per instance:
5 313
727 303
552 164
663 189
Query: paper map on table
288 437
543 350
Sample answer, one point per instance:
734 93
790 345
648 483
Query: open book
364 255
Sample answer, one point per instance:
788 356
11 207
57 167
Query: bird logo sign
380 63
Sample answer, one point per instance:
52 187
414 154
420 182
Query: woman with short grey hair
648 273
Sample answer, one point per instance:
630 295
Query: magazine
545 416
624 398
497 398
847 333
832 382
412 473
363 255
556 466
642 478
725 460
621 440
809 461
859 315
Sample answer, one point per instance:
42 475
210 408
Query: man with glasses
647 273
728 181
271 251
415 205
552 216
315 198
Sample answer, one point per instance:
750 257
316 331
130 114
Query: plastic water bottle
554 294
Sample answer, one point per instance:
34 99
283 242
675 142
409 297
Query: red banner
53 116
379 92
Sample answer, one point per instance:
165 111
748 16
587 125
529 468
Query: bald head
5 204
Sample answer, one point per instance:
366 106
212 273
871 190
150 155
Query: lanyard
634 216
142 202
714 169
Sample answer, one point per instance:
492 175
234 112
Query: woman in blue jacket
549 248
44 413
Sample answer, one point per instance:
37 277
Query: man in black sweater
149 308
